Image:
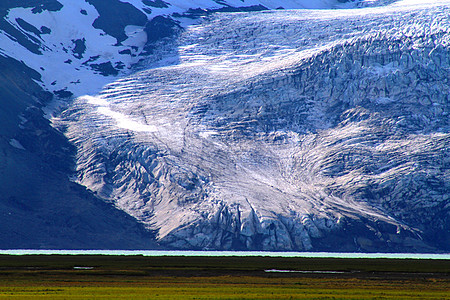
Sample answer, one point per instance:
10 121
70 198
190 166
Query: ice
273 126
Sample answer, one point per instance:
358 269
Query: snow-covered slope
77 46
283 130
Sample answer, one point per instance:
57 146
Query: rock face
286 130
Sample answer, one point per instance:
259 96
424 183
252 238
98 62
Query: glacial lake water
228 253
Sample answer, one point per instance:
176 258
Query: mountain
225 125
50 52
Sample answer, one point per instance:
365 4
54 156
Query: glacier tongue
282 130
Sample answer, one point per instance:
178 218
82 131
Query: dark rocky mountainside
40 207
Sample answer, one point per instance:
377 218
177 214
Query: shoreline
185 253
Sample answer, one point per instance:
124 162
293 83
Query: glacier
79 46
323 130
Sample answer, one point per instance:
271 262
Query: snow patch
122 121
125 122
16 144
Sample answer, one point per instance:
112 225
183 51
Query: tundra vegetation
140 277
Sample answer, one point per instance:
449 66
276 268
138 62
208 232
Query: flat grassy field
139 277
